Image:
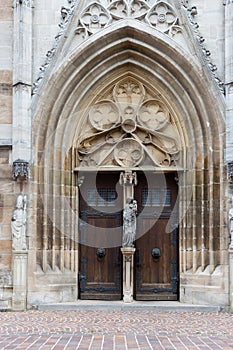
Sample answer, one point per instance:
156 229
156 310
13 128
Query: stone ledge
159 306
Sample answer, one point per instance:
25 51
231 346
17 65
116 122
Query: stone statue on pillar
129 223
18 224
231 224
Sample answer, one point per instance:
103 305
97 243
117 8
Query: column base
128 280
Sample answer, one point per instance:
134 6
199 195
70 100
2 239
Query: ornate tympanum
132 129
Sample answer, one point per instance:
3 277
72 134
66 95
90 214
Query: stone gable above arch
159 14
87 21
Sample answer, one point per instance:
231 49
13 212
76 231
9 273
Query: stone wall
6 186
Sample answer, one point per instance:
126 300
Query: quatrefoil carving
98 15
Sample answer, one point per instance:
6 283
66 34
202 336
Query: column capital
27 3
128 250
128 178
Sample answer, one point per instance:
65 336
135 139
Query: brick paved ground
118 330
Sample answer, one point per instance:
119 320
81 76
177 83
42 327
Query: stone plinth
19 298
128 254
231 277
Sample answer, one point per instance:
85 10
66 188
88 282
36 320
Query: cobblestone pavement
106 330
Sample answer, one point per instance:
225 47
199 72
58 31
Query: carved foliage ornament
5 277
20 170
28 3
185 3
230 172
96 16
130 130
192 12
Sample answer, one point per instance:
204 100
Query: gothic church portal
125 103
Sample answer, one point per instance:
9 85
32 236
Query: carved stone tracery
96 16
99 14
162 16
131 130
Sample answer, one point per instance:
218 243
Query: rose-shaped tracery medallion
128 153
153 115
162 16
95 17
104 115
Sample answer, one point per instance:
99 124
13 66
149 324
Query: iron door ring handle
156 253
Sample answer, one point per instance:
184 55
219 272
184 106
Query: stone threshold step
160 306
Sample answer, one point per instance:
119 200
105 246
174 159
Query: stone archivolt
161 15
129 130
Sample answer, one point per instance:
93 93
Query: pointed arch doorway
131 150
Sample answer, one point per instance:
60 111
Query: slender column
231 255
194 224
45 232
229 117
128 180
128 258
231 278
73 212
229 78
22 80
211 221
185 222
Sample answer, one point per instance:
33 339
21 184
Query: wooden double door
100 237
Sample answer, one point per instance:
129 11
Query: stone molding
192 12
27 3
66 15
227 2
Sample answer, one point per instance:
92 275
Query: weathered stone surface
125 84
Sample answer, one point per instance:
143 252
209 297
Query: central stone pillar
128 180
128 263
